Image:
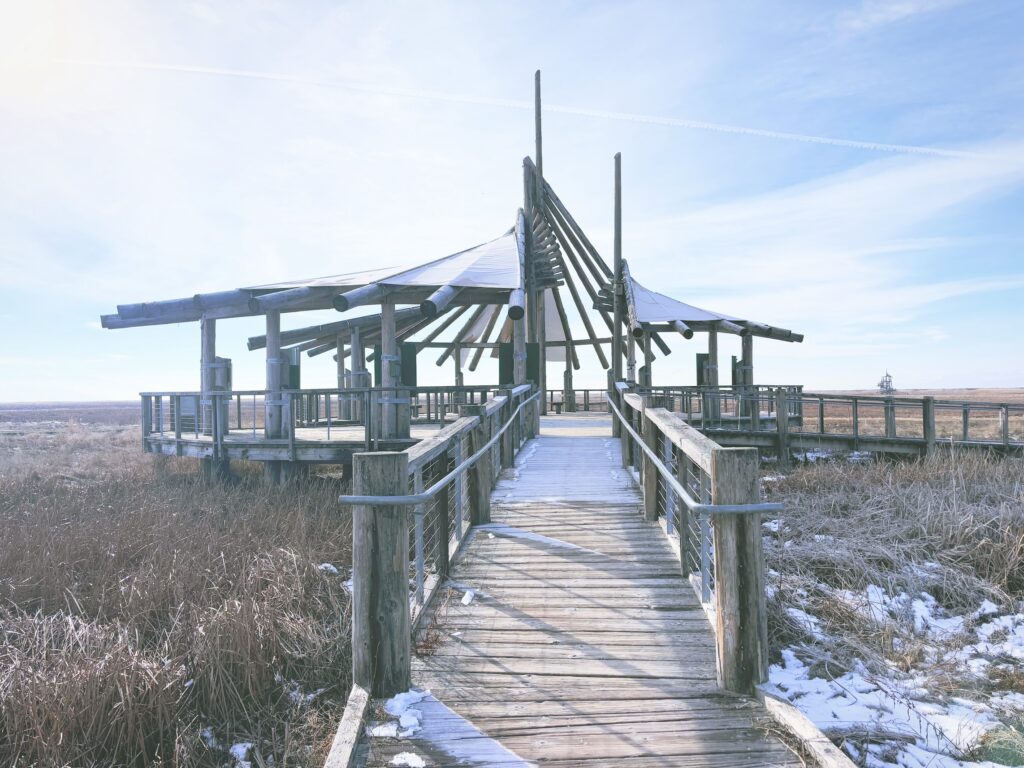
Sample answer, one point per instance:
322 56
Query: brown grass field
142 606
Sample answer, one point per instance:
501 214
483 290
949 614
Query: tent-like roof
654 307
494 264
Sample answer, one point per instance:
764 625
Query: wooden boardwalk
582 644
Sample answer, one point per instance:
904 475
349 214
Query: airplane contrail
383 90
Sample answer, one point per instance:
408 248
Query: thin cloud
382 90
873 14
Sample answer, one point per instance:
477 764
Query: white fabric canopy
654 307
494 264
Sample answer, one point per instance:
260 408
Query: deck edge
346 739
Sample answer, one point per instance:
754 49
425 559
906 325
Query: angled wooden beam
461 334
455 315
438 301
367 294
683 329
484 336
279 300
571 357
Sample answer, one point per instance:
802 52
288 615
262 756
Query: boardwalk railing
855 422
709 499
577 401
190 415
445 483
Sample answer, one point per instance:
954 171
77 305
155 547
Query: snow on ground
420 718
911 726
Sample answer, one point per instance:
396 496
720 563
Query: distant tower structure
885 386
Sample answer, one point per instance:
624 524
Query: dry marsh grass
139 605
951 525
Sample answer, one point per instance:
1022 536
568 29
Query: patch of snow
328 568
408 759
468 597
382 730
349 586
209 738
807 622
772 525
241 752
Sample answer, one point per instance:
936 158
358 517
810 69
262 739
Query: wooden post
747 373
381 629
890 417
388 370
542 353
928 414
648 360
821 416
782 425
272 417
650 472
742 630
1004 424
683 516
360 378
624 437
508 452
441 520
519 324
617 289
856 424
480 473
711 377
344 380
966 419
630 357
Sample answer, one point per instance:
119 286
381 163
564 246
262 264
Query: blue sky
154 150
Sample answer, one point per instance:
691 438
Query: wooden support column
741 631
389 370
617 290
542 352
344 379
890 417
359 377
211 468
630 358
928 415
480 473
648 360
381 629
747 374
650 472
782 426
272 416
711 376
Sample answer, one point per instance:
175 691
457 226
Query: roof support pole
344 380
537 196
747 373
211 468
519 322
359 377
272 396
630 357
648 380
617 276
389 370
457 357
711 377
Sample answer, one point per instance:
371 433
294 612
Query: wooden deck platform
311 444
582 644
